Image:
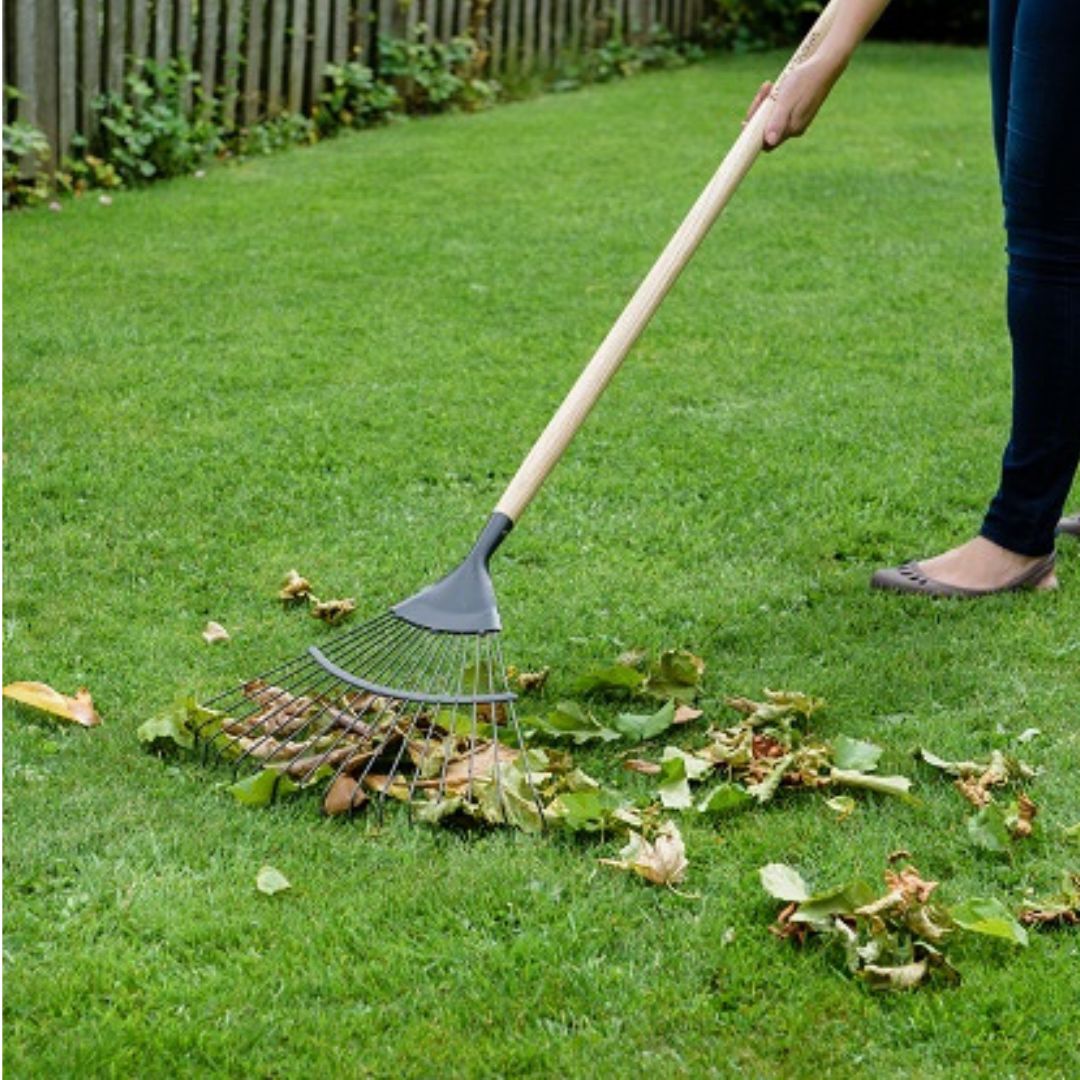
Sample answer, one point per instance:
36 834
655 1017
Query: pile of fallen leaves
770 748
893 940
994 825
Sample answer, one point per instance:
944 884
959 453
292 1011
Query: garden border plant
146 133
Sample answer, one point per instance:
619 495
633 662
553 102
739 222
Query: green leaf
167 733
784 883
570 721
855 754
618 679
589 810
262 788
638 728
766 788
723 799
987 915
677 675
674 789
900 786
842 900
988 829
842 805
270 880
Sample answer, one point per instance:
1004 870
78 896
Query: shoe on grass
1069 525
910 578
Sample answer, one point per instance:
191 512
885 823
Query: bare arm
807 86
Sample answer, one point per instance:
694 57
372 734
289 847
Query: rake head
413 705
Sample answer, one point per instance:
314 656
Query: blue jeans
1035 84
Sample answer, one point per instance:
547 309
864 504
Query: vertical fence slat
365 39
543 45
184 41
319 44
210 25
90 70
48 82
276 59
140 29
114 45
297 55
66 63
446 19
230 54
512 63
253 67
163 31
339 42
528 37
431 19
575 28
26 75
495 38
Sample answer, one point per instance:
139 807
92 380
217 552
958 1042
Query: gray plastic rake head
413 705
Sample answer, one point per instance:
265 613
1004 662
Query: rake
415 704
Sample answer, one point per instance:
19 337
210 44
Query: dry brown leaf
910 884
527 681
344 795
294 588
663 862
1025 816
685 713
215 632
972 789
78 709
333 611
647 768
898 854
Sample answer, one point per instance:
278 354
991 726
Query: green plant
433 76
146 132
26 156
356 98
269 136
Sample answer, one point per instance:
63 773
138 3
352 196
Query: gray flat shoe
910 578
1070 525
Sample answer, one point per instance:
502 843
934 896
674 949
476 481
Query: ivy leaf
638 728
263 787
677 675
570 721
270 881
855 754
987 915
723 799
783 882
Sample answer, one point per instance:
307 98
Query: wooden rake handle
606 360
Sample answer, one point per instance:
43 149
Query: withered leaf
662 862
214 632
527 681
37 695
294 588
685 714
676 676
1060 910
333 612
270 881
646 768
344 796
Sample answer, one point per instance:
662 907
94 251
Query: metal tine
454 714
427 659
512 713
405 737
371 627
300 665
441 787
495 737
322 685
367 768
472 726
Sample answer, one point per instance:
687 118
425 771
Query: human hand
802 93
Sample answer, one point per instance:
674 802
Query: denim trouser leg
1035 79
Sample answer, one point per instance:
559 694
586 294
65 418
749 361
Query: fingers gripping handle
635 317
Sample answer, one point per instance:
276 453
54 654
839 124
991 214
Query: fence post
297 55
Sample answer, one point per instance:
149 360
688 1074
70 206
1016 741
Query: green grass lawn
334 360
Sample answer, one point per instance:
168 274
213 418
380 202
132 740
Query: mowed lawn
333 360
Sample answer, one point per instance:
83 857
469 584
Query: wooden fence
263 57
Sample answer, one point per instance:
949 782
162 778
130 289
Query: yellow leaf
78 709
